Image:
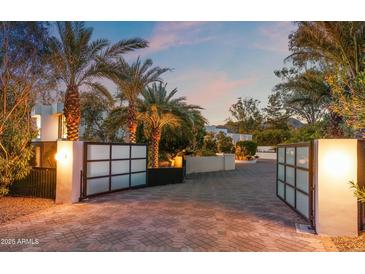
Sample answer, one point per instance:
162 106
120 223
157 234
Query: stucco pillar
69 165
336 207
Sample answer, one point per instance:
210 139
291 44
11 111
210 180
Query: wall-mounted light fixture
62 155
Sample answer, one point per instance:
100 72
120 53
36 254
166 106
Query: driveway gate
294 184
110 167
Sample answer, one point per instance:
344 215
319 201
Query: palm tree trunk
132 122
72 112
155 136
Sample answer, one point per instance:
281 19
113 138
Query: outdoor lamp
337 163
61 156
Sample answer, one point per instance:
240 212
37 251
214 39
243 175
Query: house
236 137
50 122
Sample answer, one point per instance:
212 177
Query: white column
69 164
335 164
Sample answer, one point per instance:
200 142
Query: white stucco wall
68 171
335 164
49 127
209 163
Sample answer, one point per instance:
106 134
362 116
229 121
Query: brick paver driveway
221 211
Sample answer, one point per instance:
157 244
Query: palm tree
159 109
77 61
131 79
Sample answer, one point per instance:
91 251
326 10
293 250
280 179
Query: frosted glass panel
302 204
119 182
281 189
302 180
98 152
97 185
281 154
138 179
290 155
138 152
120 152
289 195
120 167
138 165
302 157
281 172
97 169
290 175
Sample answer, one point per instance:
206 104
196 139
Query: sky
213 63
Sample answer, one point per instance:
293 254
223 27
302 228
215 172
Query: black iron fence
41 182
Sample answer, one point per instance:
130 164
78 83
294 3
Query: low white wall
196 164
267 155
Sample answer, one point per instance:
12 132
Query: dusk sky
214 62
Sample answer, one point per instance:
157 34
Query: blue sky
213 63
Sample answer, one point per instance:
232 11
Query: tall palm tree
77 61
159 109
131 79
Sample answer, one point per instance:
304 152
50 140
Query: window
37 122
62 129
44 154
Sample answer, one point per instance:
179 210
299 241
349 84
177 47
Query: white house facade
236 137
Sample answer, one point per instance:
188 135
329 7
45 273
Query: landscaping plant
245 150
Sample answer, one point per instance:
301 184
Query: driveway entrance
221 211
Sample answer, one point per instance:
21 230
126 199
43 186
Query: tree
304 93
131 80
23 75
210 143
158 110
276 116
338 48
246 114
77 62
271 137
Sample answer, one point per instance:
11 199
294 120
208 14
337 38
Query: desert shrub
245 150
203 152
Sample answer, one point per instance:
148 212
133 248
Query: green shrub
245 150
224 143
204 153
271 137
210 143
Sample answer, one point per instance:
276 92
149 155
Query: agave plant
77 62
159 109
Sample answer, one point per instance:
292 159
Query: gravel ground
14 207
350 243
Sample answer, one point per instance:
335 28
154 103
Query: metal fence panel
294 178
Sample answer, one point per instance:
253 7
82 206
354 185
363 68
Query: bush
204 153
245 150
224 143
210 143
271 137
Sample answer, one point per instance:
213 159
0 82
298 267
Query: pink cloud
215 91
274 37
173 34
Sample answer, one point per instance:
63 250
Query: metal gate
294 180
110 167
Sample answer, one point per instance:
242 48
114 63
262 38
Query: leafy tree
304 93
276 116
131 80
224 143
77 62
246 114
338 48
23 75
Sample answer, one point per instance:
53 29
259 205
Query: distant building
235 136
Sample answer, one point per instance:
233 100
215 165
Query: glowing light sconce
61 156
337 163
